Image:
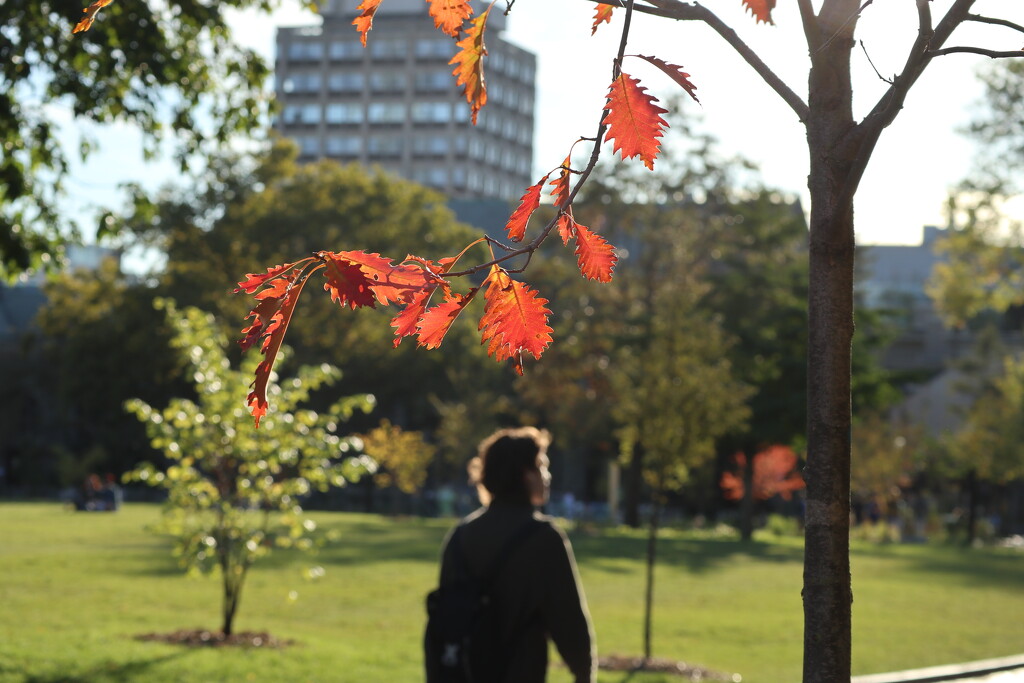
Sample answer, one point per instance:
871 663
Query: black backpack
463 640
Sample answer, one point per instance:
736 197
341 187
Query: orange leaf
603 14
634 120
469 62
565 227
90 15
346 282
517 222
594 255
271 317
405 322
388 282
561 189
676 73
449 15
256 280
364 22
514 320
761 9
435 322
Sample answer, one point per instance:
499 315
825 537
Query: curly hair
503 458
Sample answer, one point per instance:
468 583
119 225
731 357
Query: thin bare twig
997 22
994 54
868 57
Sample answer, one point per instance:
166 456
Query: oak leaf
405 323
90 15
346 282
560 185
515 319
364 22
271 317
603 14
565 227
469 64
761 9
517 222
634 120
387 281
594 255
676 73
449 15
435 322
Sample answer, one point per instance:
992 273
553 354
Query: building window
462 112
434 81
385 81
388 49
302 83
344 113
476 148
305 51
345 82
343 145
431 145
459 177
431 112
386 112
309 114
345 50
435 48
309 146
384 145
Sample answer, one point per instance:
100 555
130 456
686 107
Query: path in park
1001 670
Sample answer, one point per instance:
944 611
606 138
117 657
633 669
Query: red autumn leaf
594 255
364 22
389 282
517 222
634 120
560 185
676 73
272 315
346 282
449 15
603 14
254 281
90 15
405 322
435 322
514 320
565 227
469 64
761 9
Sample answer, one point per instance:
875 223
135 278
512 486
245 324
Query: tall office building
394 103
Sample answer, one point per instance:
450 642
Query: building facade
394 103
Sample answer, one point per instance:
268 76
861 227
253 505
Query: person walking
534 591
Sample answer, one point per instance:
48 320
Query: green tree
235 494
175 73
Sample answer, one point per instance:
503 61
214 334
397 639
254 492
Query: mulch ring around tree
204 638
667 666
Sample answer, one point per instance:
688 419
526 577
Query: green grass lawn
75 588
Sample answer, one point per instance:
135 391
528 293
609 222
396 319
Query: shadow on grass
697 555
111 672
966 566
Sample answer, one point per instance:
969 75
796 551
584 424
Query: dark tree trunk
634 486
652 548
972 506
827 593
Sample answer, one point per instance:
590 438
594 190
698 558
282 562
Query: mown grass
75 588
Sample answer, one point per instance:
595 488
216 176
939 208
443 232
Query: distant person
535 589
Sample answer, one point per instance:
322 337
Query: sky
918 159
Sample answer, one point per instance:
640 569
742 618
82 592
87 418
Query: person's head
512 466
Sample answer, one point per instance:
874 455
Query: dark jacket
537 593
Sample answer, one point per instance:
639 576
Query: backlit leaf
560 186
90 15
515 319
603 14
517 222
449 15
364 22
634 120
676 73
594 255
405 323
565 227
389 282
761 9
346 282
469 64
436 321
